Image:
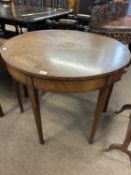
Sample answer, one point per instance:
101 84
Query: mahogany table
65 61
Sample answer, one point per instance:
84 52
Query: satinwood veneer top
64 54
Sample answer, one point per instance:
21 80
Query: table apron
68 85
57 85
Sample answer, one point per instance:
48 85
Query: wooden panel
68 86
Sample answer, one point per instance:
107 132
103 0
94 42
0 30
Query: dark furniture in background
85 6
106 20
44 3
82 13
35 18
31 17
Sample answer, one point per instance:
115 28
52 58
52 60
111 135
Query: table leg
17 29
25 91
1 111
33 95
17 89
129 46
99 109
123 147
108 97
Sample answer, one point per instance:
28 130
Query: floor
66 120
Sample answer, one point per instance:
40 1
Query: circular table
66 61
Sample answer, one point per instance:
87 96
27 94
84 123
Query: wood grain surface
65 54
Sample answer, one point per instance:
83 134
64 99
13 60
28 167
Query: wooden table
65 61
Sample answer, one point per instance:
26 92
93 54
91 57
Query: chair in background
83 12
104 13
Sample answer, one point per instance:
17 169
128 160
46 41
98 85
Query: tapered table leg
129 46
1 111
99 109
18 93
123 147
33 95
25 91
108 97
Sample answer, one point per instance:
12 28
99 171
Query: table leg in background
25 91
18 93
1 111
108 97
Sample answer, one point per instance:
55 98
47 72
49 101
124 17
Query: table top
120 23
65 54
27 14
